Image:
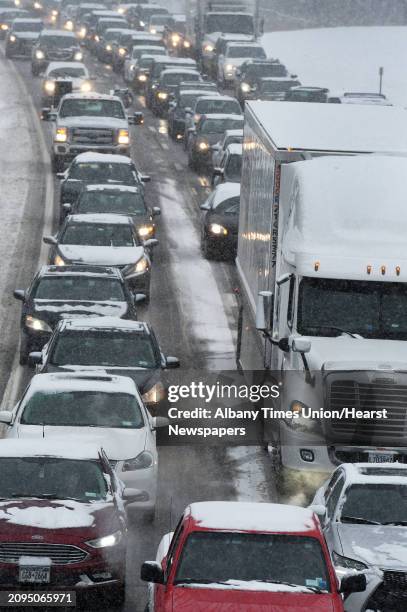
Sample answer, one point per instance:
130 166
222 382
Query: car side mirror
319 510
151 571
205 206
218 172
283 345
301 345
139 298
145 178
353 583
158 422
130 495
19 294
67 207
50 240
151 242
156 212
35 358
48 115
172 362
294 76
6 417
138 118
264 311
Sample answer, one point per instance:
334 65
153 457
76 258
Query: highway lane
193 310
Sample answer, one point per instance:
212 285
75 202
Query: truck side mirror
19 294
264 310
151 571
301 345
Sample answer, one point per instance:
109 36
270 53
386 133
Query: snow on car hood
60 309
47 514
383 546
248 597
27 35
97 122
345 352
104 256
119 444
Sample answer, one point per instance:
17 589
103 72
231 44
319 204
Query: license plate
34 574
381 457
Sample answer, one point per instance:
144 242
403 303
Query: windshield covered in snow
229 23
52 478
99 235
83 409
371 309
375 503
79 288
108 348
218 557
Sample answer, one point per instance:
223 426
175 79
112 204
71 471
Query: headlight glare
78 56
123 137
162 95
218 230
58 261
39 54
61 135
12 38
122 51
69 25
86 86
144 231
142 78
203 146
245 87
155 395
49 86
106 541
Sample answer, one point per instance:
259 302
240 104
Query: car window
98 234
58 41
103 172
234 167
241 51
228 207
334 496
219 126
118 202
68 71
79 288
206 107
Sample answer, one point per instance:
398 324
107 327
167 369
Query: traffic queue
67 495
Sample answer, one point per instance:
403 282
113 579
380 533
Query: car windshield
308 96
52 478
110 348
377 503
111 35
118 202
98 172
219 557
98 234
58 41
160 19
176 78
233 24
112 23
83 409
371 309
92 108
266 70
241 51
228 207
27 27
79 288
219 126
146 62
234 168
277 86
139 51
68 71
207 107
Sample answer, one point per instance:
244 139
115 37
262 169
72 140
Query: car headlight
61 135
208 48
153 31
142 24
120 10
187 44
96 37
4 27
17 2
175 39
142 78
123 137
162 95
36 324
203 146
122 51
218 230
54 13
12 38
37 6
230 68
39 54
49 86
347 563
245 87
106 541
154 395
145 231
58 261
86 86
143 461
69 25
78 57
82 33
197 117
108 47
137 268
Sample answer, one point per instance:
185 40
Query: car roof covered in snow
82 323
56 65
50 447
82 381
372 473
224 191
64 33
101 218
102 158
91 96
251 516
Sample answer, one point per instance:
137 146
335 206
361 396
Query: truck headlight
12 38
58 261
122 51
162 95
347 563
230 68
187 44
36 324
78 57
69 25
143 461
245 87
155 395
61 135
142 78
175 39
203 146
208 48
86 86
39 54
218 230
123 137
107 541
145 231
82 33
49 86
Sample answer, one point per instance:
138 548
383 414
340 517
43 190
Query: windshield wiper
358 519
335 328
36 495
198 581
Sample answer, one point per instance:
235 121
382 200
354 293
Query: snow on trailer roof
252 516
81 323
51 447
82 381
102 158
332 127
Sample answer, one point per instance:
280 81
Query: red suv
236 556
62 519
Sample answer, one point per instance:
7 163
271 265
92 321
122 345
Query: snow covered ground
345 58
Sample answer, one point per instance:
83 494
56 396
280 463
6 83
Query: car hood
24 518
383 546
119 444
103 256
94 122
219 598
52 311
144 378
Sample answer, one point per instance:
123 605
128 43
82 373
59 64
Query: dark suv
54 46
22 35
69 291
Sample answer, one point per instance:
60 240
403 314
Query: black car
307 94
7 16
120 200
69 291
183 102
158 65
250 74
113 345
104 46
54 46
220 222
96 169
206 133
22 35
124 46
275 88
167 85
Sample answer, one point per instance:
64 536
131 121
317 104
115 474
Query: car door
163 592
331 497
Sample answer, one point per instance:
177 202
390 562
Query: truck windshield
91 108
210 557
371 309
229 23
241 51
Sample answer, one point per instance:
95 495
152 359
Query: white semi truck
322 263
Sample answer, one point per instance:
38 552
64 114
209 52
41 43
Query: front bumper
68 152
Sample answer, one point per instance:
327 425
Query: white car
74 72
137 52
236 53
363 512
105 408
219 148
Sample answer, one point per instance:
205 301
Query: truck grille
61 54
60 554
347 393
92 136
